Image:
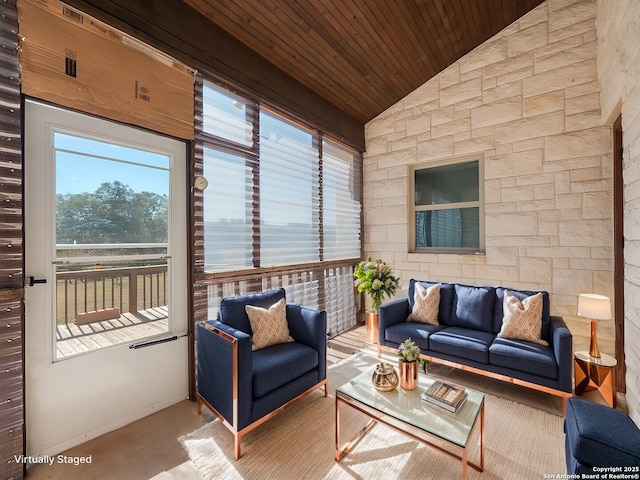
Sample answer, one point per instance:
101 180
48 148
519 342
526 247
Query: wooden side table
593 373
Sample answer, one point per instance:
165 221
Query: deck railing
85 296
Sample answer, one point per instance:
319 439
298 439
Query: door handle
33 281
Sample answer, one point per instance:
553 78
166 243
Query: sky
97 162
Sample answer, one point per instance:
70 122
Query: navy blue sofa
244 388
600 440
470 317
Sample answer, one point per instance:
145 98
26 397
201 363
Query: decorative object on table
595 307
408 362
384 378
446 395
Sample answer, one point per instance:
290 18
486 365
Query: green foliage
408 351
376 279
114 213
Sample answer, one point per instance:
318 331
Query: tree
114 213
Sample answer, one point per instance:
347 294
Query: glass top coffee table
405 412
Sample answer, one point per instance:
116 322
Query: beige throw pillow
269 326
522 320
426 303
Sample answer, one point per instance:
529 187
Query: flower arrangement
375 278
408 351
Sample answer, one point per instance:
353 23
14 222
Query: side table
593 373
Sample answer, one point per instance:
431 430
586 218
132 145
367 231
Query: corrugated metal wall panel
11 250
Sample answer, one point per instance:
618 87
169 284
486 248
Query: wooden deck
73 339
346 344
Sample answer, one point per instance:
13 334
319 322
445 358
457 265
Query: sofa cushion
524 356
418 332
426 303
473 307
232 311
269 325
462 342
279 364
522 319
601 436
498 313
446 299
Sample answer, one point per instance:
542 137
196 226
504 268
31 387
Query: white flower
376 284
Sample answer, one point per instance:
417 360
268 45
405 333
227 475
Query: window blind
289 200
341 206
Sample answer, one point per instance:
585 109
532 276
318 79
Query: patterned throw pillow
269 326
426 302
522 320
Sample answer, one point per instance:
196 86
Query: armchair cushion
277 365
269 326
232 309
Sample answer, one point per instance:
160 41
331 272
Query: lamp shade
594 306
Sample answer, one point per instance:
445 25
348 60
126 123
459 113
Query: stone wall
528 100
618 26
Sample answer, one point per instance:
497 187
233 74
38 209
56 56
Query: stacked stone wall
618 26
528 101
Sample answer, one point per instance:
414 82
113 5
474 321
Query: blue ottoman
599 436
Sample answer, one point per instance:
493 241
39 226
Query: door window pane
111 243
110 200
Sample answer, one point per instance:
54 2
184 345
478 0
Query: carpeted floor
521 443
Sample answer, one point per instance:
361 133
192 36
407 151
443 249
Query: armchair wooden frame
238 434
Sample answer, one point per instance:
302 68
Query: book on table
446 395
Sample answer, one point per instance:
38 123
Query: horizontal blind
230 166
227 219
289 193
340 202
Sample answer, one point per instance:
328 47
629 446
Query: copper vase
372 327
408 375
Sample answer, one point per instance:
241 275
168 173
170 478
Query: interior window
447 207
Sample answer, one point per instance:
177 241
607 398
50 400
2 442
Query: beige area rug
521 443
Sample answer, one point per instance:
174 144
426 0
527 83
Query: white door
105 248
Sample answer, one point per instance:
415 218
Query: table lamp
595 307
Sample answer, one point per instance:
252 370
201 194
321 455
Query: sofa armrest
309 327
215 350
562 343
391 313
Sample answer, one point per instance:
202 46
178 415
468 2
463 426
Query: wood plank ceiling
362 55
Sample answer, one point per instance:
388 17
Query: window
340 200
447 207
279 193
289 200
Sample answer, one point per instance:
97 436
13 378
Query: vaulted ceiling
362 55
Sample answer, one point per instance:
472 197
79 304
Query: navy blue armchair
243 387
